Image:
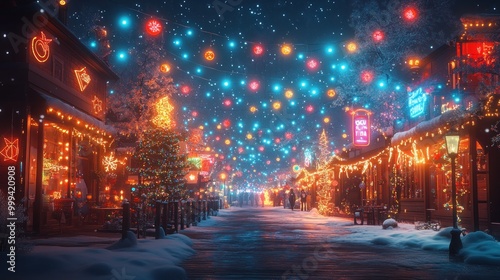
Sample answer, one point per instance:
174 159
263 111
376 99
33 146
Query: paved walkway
260 243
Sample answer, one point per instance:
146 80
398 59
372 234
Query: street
276 243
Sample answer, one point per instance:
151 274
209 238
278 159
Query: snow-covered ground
478 247
88 257
85 257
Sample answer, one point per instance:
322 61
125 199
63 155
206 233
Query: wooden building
53 103
453 90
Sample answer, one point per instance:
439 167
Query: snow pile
314 212
389 224
147 259
129 242
480 248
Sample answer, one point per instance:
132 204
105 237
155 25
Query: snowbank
147 259
478 247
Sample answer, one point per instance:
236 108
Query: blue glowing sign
416 102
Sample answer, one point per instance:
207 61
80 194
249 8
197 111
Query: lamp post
223 178
452 145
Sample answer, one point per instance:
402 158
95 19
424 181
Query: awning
454 116
67 109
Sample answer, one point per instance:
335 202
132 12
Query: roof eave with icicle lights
481 23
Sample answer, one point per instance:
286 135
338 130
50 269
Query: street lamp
223 178
452 144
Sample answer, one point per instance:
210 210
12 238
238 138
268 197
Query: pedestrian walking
262 198
291 198
303 200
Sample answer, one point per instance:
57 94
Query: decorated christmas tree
324 153
160 165
133 105
324 191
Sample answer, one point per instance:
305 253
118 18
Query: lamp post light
452 145
223 177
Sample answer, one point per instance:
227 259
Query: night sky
261 131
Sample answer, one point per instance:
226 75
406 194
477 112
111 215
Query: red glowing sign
153 27
228 102
480 52
40 47
361 127
10 150
226 123
310 108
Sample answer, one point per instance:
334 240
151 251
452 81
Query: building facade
53 92
454 89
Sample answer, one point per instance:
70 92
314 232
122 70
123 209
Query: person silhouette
291 198
303 200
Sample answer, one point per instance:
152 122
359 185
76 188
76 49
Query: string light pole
452 144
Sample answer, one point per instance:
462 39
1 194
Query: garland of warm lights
79 126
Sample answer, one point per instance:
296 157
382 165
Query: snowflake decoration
153 27
110 163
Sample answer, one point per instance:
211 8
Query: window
58 69
55 160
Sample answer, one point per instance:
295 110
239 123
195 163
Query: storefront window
413 177
56 150
441 180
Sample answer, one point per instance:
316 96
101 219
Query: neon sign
40 47
480 52
83 78
416 102
11 150
361 127
97 104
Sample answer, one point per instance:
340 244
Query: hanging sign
361 127
416 102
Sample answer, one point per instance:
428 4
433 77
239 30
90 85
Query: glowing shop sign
416 102
40 47
83 78
10 150
361 127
